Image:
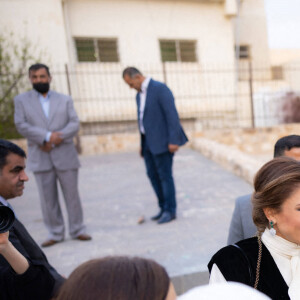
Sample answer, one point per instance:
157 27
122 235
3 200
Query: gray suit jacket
32 123
241 226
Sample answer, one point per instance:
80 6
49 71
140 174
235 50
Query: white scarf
290 251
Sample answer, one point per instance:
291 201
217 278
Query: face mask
41 87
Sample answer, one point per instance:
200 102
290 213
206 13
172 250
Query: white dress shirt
143 95
45 102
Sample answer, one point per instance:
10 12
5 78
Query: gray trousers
53 218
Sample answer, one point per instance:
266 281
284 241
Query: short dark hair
7 147
117 277
38 66
131 72
286 143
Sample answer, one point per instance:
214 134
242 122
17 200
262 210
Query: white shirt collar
145 84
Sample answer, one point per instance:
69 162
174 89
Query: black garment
238 266
41 281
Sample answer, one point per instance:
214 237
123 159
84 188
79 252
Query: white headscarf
223 291
287 257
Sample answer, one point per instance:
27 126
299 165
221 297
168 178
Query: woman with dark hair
118 278
269 262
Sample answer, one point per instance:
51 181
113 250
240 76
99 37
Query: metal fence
206 96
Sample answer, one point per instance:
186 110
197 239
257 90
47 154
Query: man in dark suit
49 122
24 270
161 136
242 226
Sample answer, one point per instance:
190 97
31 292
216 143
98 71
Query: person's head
276 198
133 77
40 78
288 146
12 170
119 277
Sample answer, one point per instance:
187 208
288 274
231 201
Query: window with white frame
96 49
178 50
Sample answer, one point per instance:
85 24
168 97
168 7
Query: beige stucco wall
282 56
98 90
140 24
253 30
41 22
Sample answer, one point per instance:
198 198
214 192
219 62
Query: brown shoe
83 237
49 243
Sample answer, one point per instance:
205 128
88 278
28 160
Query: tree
15 58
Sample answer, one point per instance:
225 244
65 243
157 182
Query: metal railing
205 96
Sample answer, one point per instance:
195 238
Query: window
242 52
277 72
178 50
96 50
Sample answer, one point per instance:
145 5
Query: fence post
68 80
251 93
77 138
164 72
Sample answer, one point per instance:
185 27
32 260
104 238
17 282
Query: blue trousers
159 171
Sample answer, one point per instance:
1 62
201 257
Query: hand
56 138
141 152
4 242
47 147
173 148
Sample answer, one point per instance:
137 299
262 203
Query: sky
283 21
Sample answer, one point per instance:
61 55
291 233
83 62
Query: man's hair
286 143
38 66
6 148
131 72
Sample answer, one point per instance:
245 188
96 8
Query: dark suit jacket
160 120
40 281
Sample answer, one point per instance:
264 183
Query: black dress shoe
156 217
166 217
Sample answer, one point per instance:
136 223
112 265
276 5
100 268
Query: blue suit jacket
160 120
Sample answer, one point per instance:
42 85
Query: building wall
252 30
140 24
41 22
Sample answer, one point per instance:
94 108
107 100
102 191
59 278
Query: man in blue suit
161 136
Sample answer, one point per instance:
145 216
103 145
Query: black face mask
41 87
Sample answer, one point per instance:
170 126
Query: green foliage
15 58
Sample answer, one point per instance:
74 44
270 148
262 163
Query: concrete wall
41 22
252 30
139 25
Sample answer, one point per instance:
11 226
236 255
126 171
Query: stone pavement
115 192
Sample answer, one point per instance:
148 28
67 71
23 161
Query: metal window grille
168 51
85 50
187 51
243 52
178 50
108 51
277 72
92 50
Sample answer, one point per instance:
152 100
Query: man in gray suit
242 226
49 122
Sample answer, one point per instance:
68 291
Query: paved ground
115 193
